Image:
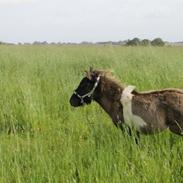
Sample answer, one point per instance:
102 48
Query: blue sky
90 20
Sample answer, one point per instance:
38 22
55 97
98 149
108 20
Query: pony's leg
120 126
137 135
129 132
176 127
137 138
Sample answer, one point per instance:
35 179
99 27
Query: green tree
133 42
145 42
158 42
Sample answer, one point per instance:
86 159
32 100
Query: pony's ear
92 74
91 69
95 75
88 75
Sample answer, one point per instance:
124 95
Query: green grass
43 139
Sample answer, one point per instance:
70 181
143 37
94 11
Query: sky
90 20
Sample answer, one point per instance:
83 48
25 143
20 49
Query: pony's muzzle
75 101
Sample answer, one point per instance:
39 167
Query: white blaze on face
130 119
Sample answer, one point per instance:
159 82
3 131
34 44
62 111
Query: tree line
132 42
145 42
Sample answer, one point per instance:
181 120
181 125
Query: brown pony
146 112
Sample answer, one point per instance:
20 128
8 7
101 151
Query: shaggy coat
147 112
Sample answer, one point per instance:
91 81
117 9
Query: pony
147 112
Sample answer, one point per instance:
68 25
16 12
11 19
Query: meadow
43 139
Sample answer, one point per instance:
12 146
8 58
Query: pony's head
86 89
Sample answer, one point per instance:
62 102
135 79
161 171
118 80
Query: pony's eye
88 84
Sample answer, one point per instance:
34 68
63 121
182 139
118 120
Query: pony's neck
108 95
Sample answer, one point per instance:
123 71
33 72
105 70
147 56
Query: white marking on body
130 119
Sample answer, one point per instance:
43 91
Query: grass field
43 139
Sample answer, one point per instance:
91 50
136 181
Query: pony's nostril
71 101
74 101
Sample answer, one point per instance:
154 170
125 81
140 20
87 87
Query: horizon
81 42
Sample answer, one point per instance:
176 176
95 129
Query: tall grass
43 139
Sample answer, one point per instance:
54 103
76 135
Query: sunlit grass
44 139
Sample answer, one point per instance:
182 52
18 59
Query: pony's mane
113 88
108 81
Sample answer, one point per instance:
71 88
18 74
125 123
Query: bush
157 42
145 42
133 42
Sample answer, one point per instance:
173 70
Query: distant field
43 139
